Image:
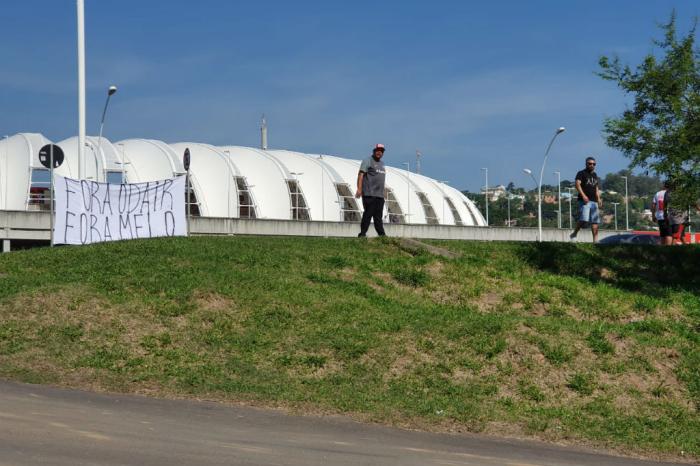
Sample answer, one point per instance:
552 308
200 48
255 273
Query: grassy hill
564 342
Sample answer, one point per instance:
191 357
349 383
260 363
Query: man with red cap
370 186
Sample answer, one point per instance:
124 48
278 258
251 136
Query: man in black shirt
589 203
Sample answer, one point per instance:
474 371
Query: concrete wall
21 225
216 226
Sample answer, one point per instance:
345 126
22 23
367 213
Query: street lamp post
627 207
110 92
571 218
527 171
508 199
408 191
486 194
559 130
558 173
615 205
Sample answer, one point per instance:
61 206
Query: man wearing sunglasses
589 203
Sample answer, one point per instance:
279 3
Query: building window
300 210
471 214
430 216
455 214
114 177
393 208
39 190
348 204
191 203
246 206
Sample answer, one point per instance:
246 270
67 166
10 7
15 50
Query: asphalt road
49 426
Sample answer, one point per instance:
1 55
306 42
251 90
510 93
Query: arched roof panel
315 180
101 157
265 177
148 160
403 183
212 175
19 154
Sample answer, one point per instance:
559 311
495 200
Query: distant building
494 193
549 199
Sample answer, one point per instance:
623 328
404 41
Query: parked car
631 238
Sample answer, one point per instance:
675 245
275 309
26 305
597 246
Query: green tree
661 129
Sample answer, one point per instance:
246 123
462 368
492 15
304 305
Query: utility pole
615 205
558 173
627 207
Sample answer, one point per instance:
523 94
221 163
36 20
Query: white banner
91 212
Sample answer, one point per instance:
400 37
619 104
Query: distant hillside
563 342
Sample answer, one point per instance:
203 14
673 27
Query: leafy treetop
661 129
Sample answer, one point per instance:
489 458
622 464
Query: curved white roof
212 176
19 155
265 177
220 175
316 180
148 160
101 157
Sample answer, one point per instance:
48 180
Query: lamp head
111 90
560 130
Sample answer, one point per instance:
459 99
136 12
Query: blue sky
469 84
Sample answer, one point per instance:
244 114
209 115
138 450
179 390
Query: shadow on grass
651 270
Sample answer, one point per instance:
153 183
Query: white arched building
233 181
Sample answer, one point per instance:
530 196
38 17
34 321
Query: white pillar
558 198
81 88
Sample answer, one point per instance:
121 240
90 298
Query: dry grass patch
77 306
410 358
633 388
210 301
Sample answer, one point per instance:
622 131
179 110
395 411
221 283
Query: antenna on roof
418 156
263 133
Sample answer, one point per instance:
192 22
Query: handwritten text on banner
91 212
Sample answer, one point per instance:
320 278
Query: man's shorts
665 228
588 212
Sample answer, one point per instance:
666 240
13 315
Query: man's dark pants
374 209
